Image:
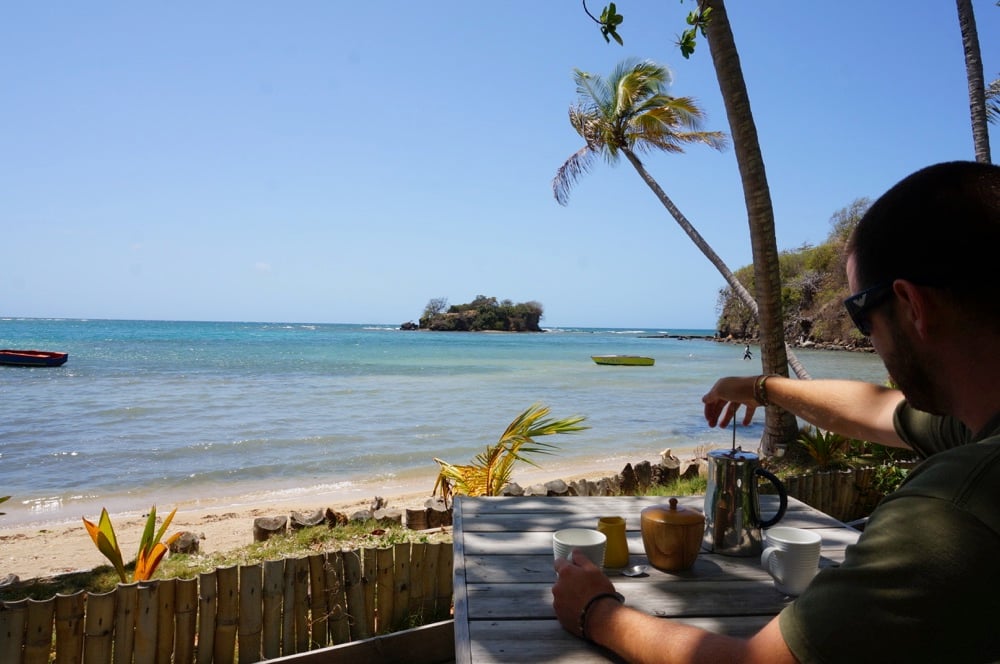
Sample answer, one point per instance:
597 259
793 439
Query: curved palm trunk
780 425
977 86
699 241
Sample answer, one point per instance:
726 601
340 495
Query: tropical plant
491 470
827 449
151 549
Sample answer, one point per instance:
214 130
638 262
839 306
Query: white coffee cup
590 542
791 557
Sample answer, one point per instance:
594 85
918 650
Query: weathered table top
504 576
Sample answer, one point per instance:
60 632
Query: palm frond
492 469
570 172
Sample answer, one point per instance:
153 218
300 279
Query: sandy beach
51 548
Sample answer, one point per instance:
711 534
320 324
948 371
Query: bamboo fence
845 495
237 614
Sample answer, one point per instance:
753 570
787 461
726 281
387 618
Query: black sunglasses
860 305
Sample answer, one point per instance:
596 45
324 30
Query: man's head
939 227
923 262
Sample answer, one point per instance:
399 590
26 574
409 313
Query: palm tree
780 425
631 112
974 74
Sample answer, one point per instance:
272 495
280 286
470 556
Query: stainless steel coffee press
732 507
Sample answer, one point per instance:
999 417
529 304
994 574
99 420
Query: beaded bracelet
760 389
593 600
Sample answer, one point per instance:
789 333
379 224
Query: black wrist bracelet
586 609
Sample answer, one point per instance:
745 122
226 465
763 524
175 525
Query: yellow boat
624 360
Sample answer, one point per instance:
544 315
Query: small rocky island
483 314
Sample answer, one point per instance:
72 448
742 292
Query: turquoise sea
159 412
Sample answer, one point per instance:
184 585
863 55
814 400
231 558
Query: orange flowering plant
151 549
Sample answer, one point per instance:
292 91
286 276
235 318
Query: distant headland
483 314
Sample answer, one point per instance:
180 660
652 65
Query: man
923 581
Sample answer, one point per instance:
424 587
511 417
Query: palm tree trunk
780 425
974 73
734 283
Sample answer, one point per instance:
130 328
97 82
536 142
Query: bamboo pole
354 591
446 561
431 563
186 608
401 585
339 629
13 622
125 608
38 641
251 609
384 589
317 601
227 613
98 628
274 572
369 577
418 581
147 602
301 604
166 617
69 627
208 604
288 609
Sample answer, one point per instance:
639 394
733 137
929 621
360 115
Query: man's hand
578 581
725 398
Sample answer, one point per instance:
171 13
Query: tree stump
416 519
335 518
300 520
187 543
388 516
265 527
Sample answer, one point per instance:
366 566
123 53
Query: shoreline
42 549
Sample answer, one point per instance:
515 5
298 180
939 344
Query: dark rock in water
409 325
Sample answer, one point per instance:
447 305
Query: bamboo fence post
369 569
208 602
825 491
251 609
446 561
301 604
401 585
125 608
317 601
227 613
13 621
146 621
69 627
288 608
339 630
186 607
431 563
38 636
418 553
354 592
274 573
98 628
166 617
387 585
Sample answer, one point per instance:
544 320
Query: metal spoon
635 570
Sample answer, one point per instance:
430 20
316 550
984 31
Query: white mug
791 557
590 542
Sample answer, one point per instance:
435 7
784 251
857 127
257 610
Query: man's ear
917 305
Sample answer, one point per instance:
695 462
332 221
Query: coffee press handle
782 497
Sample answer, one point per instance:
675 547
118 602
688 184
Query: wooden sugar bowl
672 535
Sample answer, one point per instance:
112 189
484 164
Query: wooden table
504 576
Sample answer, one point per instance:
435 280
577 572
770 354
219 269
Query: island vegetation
813 288
481 315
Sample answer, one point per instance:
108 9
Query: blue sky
347 162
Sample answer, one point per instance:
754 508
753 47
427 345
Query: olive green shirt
922 584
